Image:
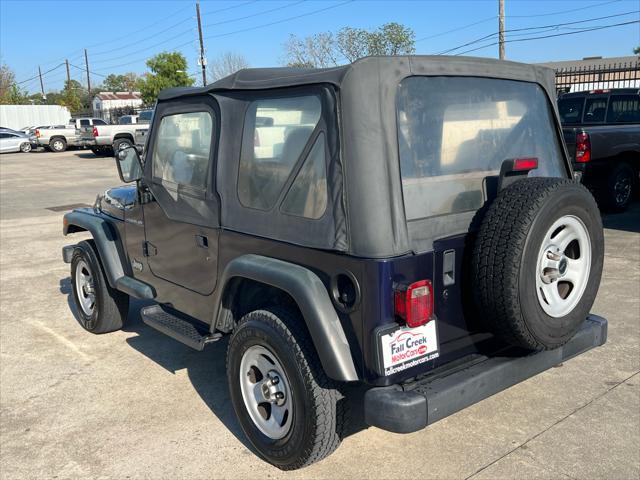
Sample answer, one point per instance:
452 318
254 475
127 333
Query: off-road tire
613 200
25 147
319 416
58 144
121 143
505 259
111 306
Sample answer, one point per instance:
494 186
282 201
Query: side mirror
129 164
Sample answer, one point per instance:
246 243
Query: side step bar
178 329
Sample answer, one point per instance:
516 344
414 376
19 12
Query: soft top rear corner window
453 132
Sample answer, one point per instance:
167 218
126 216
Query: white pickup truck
58 137
107 139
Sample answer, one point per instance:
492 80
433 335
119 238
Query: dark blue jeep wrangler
405 223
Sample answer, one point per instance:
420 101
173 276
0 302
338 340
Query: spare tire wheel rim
266 392
564 262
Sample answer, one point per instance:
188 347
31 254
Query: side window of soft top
182 149
276 132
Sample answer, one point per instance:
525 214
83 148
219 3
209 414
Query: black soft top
281 77
370 220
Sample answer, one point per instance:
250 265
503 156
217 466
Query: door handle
202 241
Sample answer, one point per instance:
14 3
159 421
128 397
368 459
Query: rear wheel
121 144
620 187
537 262
288 408
58 144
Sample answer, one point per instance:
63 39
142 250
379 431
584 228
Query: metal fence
594 77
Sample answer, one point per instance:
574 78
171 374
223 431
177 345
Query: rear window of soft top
453 132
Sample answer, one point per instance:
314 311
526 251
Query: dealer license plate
407 347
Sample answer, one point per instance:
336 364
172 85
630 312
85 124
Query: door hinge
149 250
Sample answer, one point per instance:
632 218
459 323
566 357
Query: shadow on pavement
206 370
627 221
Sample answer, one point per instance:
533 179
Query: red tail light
520 164
414 303
583 148
37 133
95 131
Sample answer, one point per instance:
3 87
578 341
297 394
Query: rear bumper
410 407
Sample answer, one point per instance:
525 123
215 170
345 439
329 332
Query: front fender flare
106 238
311 296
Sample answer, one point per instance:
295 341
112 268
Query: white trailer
20 116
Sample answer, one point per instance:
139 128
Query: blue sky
120 35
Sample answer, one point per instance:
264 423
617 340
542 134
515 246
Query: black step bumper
410 407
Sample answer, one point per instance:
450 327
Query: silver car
16 142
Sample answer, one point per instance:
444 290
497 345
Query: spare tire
537 262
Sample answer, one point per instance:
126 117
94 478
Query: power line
190 30
166 40
40 74
600 27
234 32
542 27
170 16
289 5
229 8
564 11
99 53
92 72
277 22
456 29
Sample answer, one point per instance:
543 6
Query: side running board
178 329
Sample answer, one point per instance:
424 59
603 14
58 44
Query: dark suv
408 224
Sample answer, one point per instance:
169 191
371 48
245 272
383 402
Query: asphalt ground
137 404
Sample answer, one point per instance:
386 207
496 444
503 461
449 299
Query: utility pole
86 63
501 28
203 61
68 74
41 83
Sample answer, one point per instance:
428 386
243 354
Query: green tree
325 49
120 83
71 96
10 93
636 50
168 69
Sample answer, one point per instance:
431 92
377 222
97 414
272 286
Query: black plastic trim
311 295
135 288
410 407
110 251
106 239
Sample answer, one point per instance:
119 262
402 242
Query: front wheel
100 308
25 147
289 409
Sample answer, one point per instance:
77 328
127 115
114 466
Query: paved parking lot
136 404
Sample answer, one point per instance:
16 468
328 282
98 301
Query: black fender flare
312 298
106 238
